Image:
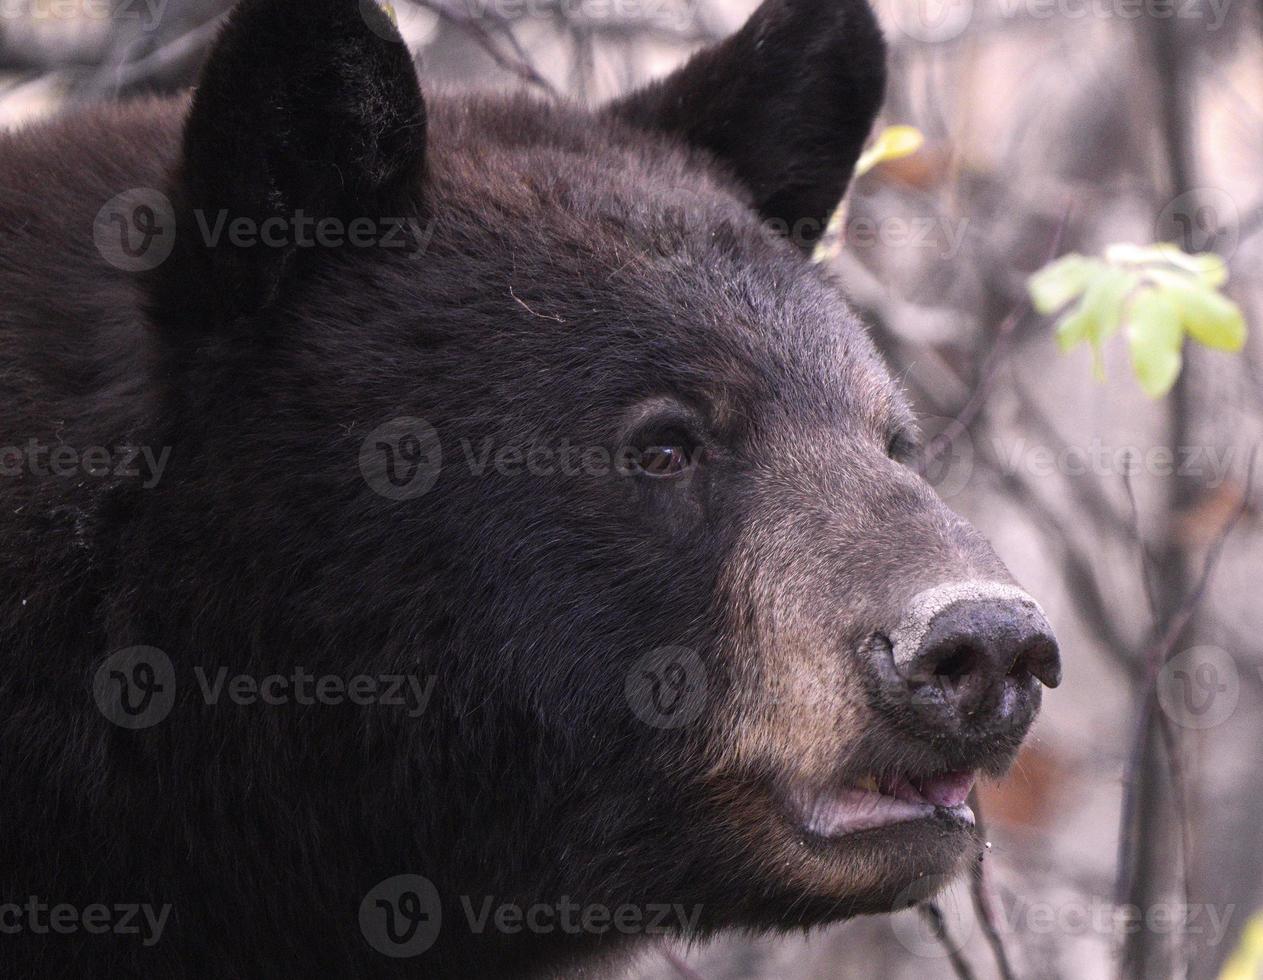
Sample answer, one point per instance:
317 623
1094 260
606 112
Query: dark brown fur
580 265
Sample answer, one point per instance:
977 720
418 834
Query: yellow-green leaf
1172 293
1057 283
1125 253
1155 336
1209 317
1207 266
1099 313
892 143
1246 962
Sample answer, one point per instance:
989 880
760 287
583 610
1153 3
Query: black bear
468 538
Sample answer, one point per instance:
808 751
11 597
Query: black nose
977 662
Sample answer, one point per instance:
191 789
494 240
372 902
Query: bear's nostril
1040 660
956 663
973 654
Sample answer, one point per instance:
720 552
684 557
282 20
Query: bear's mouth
881 801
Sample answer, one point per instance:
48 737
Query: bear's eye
664 452
662 460
903 445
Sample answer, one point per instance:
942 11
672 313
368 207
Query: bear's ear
786 103
305 110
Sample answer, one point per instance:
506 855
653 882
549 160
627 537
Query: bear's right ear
306 110
785 105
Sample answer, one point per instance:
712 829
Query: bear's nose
973 654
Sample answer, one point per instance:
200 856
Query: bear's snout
969 658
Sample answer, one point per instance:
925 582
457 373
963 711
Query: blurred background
1127 842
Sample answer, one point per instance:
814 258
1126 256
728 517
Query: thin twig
934 916
983 904
1156 656
1162 651
184 49
977 400
1182 815
1084 589
1091 496
516 61
1146 556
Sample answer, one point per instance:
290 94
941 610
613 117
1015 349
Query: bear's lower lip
873 803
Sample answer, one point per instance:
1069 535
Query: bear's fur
606 278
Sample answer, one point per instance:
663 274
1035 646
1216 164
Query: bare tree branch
934 916
515 60
983 904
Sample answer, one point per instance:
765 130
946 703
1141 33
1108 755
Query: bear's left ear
306 110
786 104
